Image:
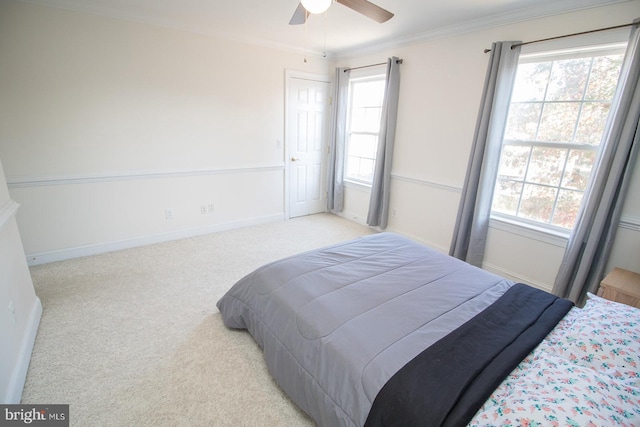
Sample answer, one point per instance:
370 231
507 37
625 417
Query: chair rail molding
629 223
426 183
21 181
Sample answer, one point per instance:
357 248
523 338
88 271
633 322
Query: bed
382 331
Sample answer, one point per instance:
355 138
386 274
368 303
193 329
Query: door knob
294 159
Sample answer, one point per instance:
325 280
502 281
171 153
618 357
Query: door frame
317 77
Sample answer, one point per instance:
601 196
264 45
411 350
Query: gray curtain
335 187
380 187
472 221
589 245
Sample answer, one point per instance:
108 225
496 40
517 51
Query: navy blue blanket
447 383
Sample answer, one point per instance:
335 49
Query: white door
307 112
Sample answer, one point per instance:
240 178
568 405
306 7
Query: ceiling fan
368 9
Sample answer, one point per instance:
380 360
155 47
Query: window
363 126
556 120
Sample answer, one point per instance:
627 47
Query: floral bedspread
585 373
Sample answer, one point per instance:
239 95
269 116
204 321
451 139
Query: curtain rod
615 27
399 61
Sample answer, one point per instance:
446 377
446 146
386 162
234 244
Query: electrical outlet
168 214
206 209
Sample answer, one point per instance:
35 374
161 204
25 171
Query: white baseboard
517 277
363 221
19 375
428 243
352 217
99 248
489 267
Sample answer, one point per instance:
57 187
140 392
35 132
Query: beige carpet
133 338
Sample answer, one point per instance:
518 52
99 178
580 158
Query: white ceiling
340 31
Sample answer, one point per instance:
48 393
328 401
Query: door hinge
330 100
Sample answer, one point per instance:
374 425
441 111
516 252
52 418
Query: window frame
375 73
614 42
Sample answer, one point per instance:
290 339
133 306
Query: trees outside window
556 119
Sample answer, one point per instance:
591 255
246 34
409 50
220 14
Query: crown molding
466 27
556 8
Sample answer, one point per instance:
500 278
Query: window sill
542 234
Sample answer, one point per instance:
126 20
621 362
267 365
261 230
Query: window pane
556 104
567 208
506 196
513 163
604 77
366 169
353 166
365 119
537 202
363 145
558 122
568 79
375 92
531 82
546 165
578 170
367 93
522 123
592 121
360 169
363 126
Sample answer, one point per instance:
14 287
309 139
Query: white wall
440 89
20 309
105 124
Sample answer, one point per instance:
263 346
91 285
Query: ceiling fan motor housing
316 6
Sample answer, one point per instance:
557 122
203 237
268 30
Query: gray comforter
336 323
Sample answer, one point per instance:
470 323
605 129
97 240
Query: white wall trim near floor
76 252
432 245
66 179
515 277
16 382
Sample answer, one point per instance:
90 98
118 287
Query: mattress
335 324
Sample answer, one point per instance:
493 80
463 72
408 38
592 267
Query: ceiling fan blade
368 9
299 16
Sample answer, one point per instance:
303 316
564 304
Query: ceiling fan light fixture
316 6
